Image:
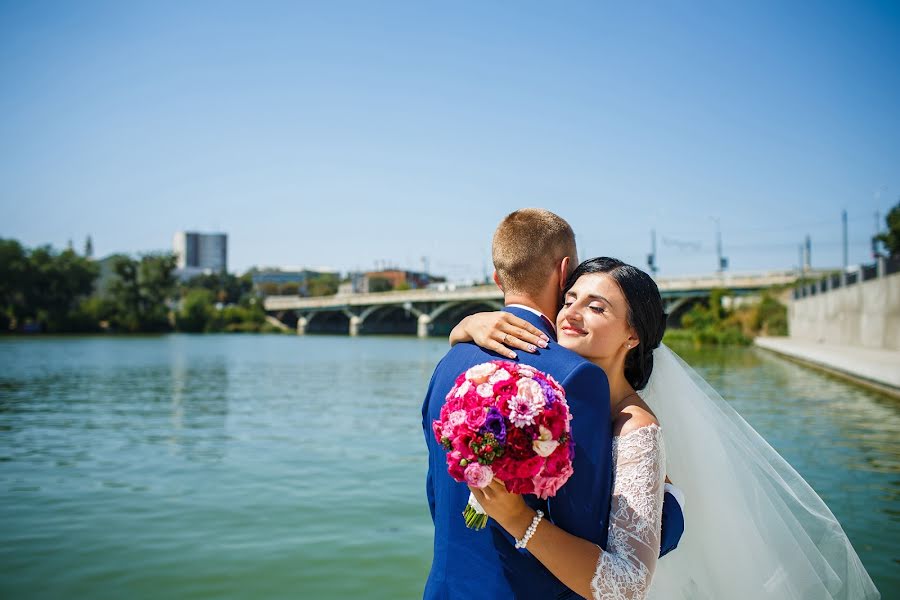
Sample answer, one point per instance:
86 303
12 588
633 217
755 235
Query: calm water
278 466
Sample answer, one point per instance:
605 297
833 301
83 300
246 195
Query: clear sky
344 133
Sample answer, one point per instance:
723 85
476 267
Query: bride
754 527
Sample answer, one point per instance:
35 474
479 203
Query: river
248 466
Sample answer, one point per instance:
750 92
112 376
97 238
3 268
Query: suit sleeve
426 429
672 524
581 507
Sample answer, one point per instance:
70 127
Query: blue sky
344 133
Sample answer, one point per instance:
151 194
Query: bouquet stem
474 514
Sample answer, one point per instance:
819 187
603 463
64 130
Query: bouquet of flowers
506 420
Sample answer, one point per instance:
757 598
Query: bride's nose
571 313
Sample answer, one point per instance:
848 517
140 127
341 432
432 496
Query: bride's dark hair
645 312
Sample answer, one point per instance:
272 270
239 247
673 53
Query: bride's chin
568 342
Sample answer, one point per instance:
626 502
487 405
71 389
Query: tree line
45 290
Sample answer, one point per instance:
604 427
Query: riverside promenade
875 368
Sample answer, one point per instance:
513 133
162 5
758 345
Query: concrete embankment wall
865 314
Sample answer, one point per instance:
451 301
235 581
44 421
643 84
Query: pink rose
475 418
544 487
530 390
456 470
452 423
478 475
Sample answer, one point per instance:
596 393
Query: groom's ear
563 272
497 280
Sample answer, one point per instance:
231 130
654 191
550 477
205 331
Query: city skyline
347 136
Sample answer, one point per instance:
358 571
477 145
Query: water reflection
198 392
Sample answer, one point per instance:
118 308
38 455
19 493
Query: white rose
500 375
526 371
544 445
480 373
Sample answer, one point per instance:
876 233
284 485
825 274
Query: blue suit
485 564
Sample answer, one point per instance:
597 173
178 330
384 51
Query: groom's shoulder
459 358
564 364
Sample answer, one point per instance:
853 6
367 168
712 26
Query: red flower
554 419
518 443
507 387
519 486
526 469
461 444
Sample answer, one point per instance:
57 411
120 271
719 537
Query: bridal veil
753 527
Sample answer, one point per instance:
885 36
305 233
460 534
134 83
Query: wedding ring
505 339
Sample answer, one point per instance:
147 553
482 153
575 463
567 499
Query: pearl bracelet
530 531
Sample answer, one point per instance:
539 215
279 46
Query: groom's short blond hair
528 245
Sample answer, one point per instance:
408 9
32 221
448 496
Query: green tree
380 284
269 288
44 287
323 284
13 281
290 289
891 237
197 310
141 290
227 288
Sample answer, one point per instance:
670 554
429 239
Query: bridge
435 312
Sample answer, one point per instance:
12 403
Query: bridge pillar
302 322
355 322
424 327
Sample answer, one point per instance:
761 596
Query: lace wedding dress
625 570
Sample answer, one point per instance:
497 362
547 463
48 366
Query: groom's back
485 564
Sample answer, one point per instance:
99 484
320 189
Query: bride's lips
574 331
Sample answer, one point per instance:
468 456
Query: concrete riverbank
875 368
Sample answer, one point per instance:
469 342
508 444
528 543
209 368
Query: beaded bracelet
530 531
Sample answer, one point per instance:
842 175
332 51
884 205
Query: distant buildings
199 253
387 280
294 281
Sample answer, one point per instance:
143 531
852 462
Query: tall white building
200 253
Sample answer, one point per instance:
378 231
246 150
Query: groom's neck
548 305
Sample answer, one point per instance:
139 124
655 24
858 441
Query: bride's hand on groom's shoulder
508 509
499 331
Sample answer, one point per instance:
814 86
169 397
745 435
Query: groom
534 253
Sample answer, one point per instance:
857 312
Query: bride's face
594 319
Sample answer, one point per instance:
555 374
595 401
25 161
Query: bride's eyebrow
599 297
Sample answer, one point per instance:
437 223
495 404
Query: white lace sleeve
626 567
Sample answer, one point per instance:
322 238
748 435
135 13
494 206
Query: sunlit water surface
288 467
